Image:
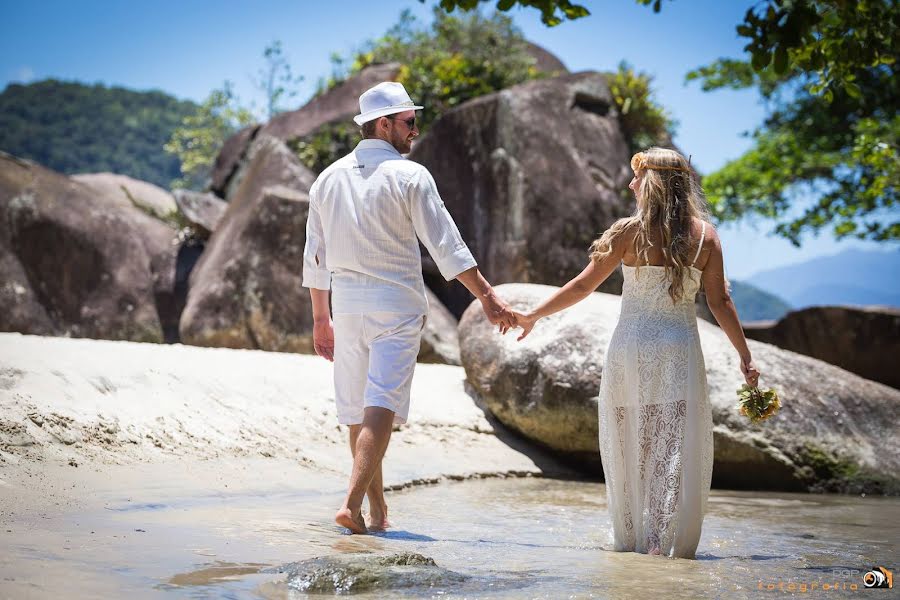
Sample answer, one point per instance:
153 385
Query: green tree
553 12
276 80
198 139
833 131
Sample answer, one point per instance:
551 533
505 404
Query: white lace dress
655 418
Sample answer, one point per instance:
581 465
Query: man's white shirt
367 212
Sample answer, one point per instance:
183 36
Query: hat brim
383 112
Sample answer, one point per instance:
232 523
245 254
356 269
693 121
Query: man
367 212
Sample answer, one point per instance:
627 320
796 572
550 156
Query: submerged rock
354 573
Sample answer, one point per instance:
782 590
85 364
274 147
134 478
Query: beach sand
89 428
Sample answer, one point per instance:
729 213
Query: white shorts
374 359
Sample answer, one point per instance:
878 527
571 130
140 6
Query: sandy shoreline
198 467
93 427
87 401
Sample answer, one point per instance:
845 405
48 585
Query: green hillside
77 128
753 304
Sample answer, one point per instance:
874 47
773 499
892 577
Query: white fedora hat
386 98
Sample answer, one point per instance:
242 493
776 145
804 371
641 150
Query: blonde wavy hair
668 198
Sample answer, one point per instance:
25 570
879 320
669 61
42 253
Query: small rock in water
354 573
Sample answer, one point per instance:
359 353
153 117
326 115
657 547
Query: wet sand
142 471
92 427
538 538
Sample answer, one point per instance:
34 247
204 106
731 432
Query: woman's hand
526 321
751 373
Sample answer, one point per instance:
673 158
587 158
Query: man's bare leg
371 444
375 492
378 520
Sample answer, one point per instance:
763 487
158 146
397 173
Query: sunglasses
410 122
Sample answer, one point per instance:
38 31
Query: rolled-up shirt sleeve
315 272
435 227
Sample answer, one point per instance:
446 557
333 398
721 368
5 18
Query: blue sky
189 47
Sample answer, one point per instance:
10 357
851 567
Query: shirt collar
376 144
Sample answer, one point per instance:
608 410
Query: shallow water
533 538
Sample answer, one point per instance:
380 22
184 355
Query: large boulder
78 262
245 292
532 175
338 104
864 340
230 159
146 196
545 61
836 431
203 210
440 340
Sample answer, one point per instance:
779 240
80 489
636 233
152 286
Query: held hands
751 373
323 339
498 312
527 322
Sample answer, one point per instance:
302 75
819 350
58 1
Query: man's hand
323 339
498 312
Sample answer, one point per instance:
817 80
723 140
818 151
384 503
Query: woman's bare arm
577 289
722 307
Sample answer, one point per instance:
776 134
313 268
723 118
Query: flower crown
640 161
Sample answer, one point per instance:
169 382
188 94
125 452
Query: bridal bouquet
756 404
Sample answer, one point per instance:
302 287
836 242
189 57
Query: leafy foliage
756 404
77 128
837 143
643 120
453 61
326 145
198 139
200 136
831 39
276 80
457 59
548 8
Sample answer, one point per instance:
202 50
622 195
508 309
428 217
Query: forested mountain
78 128
754 304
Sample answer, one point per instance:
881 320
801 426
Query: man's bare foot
378 520
345 518
654 552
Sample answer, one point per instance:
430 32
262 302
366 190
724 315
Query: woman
655 418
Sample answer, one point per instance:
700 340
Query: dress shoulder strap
700 247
